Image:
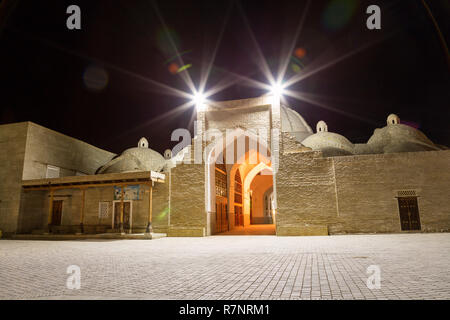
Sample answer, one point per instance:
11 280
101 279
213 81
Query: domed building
249 162
140 158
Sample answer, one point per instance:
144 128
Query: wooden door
57 212
116 215
221 215
409 213
238 216
224 224
126 215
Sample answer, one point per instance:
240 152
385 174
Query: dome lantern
393 119
321 126
168 154
143 143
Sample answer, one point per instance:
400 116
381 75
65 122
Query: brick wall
367 188
45 146
354 194
35 205
12 152
187 202
305 193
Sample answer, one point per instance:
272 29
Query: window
221 180
237 188
52 172
221 183
103 210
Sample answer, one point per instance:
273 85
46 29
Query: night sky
56 77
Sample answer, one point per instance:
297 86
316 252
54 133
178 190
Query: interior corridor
251 230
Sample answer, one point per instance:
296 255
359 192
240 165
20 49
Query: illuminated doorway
232 203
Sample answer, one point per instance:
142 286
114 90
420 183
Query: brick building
251 161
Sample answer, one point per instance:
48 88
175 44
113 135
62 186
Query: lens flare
199 100
277 89
300 52
173 68
95 78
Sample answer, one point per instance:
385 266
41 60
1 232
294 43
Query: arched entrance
236 189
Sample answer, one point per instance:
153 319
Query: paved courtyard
413 266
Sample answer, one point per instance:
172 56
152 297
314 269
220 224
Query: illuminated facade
251 161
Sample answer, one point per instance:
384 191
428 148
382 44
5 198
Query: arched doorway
269 206
261 189
235 188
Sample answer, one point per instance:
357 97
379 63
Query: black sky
42 64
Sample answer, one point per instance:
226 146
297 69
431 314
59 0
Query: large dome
399 138
293 122
140 158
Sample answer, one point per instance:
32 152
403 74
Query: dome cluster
394 137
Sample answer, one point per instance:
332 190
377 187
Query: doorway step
106 236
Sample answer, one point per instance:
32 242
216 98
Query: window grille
103 210
406 193
52 172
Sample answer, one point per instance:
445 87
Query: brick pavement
413 266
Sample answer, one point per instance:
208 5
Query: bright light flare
199 100
277 89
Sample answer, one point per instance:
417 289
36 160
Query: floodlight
277 89
199 100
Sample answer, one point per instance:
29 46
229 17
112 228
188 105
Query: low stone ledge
305 230
186 232
107 236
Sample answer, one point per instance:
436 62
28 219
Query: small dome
393 119
331 144
321 126
143 143
141 158
293 122
399 138
167 154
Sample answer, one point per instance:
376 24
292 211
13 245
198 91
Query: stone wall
357 194
187 201
367 187
35 205
161 206
305 193
258 117
32 203
47 147
25 151
12 152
